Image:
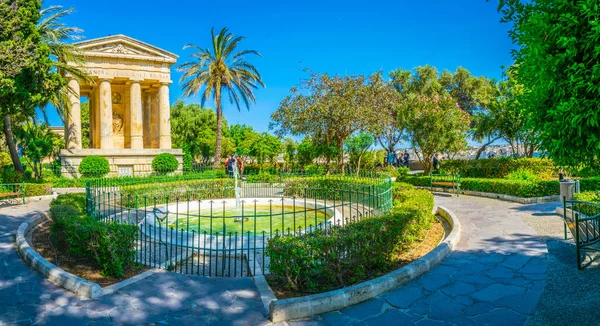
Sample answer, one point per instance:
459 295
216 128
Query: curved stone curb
56 275
514 199
50 271
301 307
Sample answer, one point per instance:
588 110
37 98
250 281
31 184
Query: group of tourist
397 161
232 162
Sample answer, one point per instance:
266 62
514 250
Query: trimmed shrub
94 166
588 196
339 256
165 163
499 167
10 175
37 189
519 188
112 245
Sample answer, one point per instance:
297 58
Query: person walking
391 158
230 165
406 158
436 162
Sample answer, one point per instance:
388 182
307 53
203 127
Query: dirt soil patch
84 267
431 238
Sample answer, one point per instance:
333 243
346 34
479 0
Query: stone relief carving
117 123
118 48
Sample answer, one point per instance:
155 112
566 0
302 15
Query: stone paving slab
495 276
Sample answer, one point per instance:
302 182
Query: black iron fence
194 224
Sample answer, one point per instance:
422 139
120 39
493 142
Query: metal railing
191 224
582 220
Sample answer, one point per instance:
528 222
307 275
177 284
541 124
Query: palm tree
68 59
222 69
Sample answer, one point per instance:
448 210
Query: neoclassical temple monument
129 115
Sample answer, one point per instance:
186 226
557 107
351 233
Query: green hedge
37 189
94 166
341 256
332 187
111 245
499 167
519 188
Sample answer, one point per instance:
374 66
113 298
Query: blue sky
337 37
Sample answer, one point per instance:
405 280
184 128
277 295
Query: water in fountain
238 192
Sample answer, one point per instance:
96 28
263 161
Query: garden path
496 276
27 298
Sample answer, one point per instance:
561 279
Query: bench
12 190
445 181
582 220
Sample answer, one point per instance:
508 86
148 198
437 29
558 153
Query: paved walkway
495 277
27 298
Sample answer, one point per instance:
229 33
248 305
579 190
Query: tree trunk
358 165
217 160
483 147
341 148
12 147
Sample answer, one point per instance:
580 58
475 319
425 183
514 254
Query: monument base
123 162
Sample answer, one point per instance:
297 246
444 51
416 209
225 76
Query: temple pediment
121 46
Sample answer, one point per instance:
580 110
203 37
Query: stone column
164 116
147 107
136 115
73 123
106 115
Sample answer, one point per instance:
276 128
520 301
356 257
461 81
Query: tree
327 108
242 137
387 128
221 70
472 94
38 142
357 146
265 147
31 81
508 116
558 62
193 128
289 149
434 124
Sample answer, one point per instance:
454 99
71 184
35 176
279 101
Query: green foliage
94 166
434 124
265 147
111 245
518 188
37 189
340 256
188 161
558 62
165 163
499 167
194 128
522 174
357 146
263 176
10 175
37 142
5 160
67 206
588 196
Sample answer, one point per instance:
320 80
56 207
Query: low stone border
301 307
515 199
56 275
